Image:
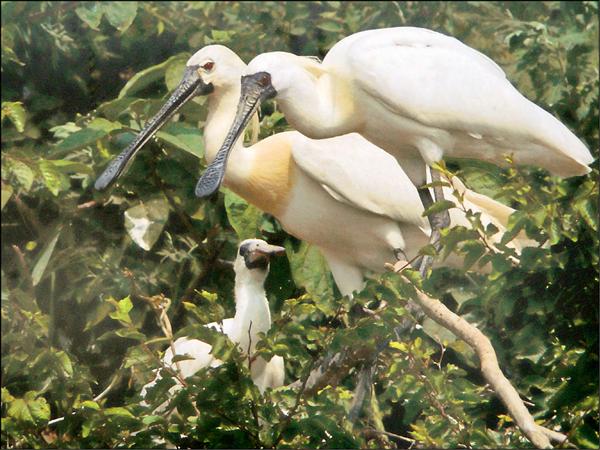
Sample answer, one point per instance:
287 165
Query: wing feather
440 82
356 172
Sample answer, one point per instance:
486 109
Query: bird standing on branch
345 195
418 94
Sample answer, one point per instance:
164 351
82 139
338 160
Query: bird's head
273 74
218 66
209 69
267 76
253 259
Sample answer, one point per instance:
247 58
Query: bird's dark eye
265 79
208 66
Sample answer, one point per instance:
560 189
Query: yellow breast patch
271 175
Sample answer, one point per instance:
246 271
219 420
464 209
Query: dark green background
78 78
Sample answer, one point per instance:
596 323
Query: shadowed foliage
82 280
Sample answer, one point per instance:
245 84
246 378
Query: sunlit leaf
118 411
31 408
122 312
44 258
183 137
146 77
90 405
145 222
174 73
439 206
15 113
120 14
243 217
91 13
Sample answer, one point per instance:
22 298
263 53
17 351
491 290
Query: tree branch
436 310
363 388
332 368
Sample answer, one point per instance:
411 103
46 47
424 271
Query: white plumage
343 194
252 316
419 95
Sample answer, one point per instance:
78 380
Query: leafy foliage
81 283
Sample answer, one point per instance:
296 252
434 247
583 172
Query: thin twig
289 416
97 398
250 359
392 435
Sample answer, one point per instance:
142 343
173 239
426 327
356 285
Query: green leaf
120 14
6 396
145 222
220 36
22 173
243 217
183 137
53 179
90 404
118 411
438 332
530 343
453 237
15 113
64 130
588 208
123 308
146 77
80 139
91 13
65 363
310 270
473 250
44 258
330 26
149 420
114 108
131 334
174 73
30 408
104 125
65 166
96 315
439 206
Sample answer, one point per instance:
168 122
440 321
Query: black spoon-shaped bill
190 86
255 89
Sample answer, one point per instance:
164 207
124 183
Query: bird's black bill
255 89
190 86
260 258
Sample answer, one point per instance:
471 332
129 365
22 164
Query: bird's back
414 83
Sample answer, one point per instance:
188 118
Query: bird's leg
437 220
364 386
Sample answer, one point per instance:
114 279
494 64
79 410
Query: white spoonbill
416 93
252 316
345 195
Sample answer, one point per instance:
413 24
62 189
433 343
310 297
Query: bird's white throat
252 315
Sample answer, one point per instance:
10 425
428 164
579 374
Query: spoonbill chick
252 316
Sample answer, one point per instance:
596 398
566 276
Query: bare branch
490 369
370 431
363 388
332 368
